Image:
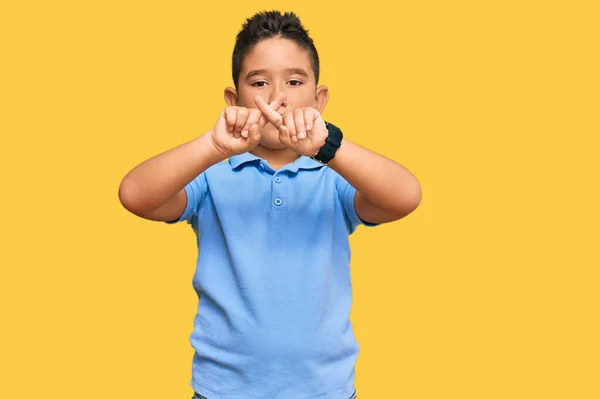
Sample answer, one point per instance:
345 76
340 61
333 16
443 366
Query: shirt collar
303 162
238 160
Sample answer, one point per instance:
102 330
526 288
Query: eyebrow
298 71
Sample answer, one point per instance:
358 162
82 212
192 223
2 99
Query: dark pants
198 396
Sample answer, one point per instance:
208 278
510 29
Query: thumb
254 134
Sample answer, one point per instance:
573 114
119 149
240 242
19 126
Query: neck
275 158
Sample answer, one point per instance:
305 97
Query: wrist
210 149
339 155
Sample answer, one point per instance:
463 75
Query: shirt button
278 201
277 179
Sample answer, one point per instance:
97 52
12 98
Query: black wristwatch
332 143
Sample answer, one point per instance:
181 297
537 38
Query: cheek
300 99
246 97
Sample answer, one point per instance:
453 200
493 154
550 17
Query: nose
277 89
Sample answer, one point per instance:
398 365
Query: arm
386 191
155 188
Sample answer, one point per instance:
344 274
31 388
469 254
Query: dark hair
268 24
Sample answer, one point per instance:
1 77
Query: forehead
276 54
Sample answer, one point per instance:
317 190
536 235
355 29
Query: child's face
273 66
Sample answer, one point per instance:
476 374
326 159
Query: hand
302 130
238 129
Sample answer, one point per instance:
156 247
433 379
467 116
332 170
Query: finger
230 116
278 102
309 115
242 115
316 117
288 120
269 113
284 136
275 104
262 121
299 123
253 117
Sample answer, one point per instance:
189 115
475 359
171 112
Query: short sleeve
195 192
346 193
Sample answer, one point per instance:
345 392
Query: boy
272 223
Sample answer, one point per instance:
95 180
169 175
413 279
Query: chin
270 138
272 145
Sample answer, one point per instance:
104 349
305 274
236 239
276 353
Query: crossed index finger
271 114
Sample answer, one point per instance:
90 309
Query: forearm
382 181
158 179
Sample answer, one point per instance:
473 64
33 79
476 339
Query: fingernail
308 126
301 135
245 133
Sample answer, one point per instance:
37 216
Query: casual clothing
273 280
198 396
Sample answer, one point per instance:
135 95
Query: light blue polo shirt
273 280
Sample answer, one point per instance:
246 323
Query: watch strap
334 140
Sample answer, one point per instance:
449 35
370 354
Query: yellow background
488 290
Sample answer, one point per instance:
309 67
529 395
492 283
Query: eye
297 81
255 83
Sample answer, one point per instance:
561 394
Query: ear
322 97
231 97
